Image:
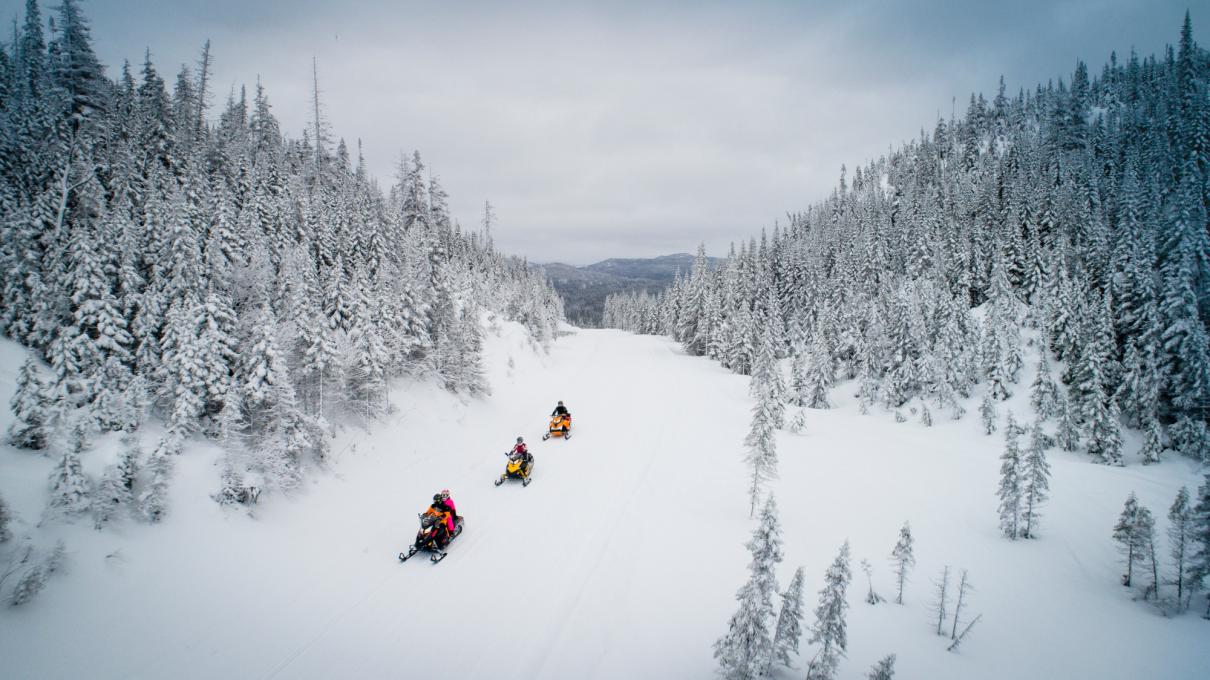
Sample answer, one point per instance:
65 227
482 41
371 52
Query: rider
442 503
522 451
560 410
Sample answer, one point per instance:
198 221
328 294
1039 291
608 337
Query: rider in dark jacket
560 410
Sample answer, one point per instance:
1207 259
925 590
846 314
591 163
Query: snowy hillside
620 560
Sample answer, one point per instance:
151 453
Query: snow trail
621 559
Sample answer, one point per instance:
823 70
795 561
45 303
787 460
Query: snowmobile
517 469
560 426
427 537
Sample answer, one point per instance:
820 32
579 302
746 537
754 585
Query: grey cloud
633 128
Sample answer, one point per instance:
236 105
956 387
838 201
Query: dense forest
222 277
1075 213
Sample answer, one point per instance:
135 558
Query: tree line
235 282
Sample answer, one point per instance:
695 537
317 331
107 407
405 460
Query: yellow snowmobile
519 466
560 426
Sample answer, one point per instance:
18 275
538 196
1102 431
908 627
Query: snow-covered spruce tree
30 405
69 487
1001 344
472 378
1199 563
1092 390
1035 481
903 558
182 372
1067 435
1184 337
153 499
1145 533
799 386
746 650
233 438
35 576
1180 539
365 374
767 384
1153 443
830 630
987 411
761 442
5 518
884 669
1044 393
817 377
116 490
1135 534
1012 481
1191 437
789 621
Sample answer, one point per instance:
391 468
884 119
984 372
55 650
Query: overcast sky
627 129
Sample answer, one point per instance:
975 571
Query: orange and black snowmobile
433 536
560 426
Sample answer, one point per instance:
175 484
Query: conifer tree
789 621
1199 563
5 519
1153 444
903 558
1068 433
830 630
884 669
987 410
1043 393
153 499
30 405
1180 537
1134 533
1145 535
1035 481
69 494
816 378
1012 482
746 650
761 442
116 490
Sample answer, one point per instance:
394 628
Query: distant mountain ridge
584 288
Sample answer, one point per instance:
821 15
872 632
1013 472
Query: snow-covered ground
621 560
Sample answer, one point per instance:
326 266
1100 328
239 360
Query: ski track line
285 663
596 553
388 527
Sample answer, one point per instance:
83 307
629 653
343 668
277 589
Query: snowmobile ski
438 556
404 557
526 481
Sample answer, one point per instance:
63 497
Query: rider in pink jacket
444 503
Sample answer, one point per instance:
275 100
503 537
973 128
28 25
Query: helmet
445 493
560 403
519 440
436 498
